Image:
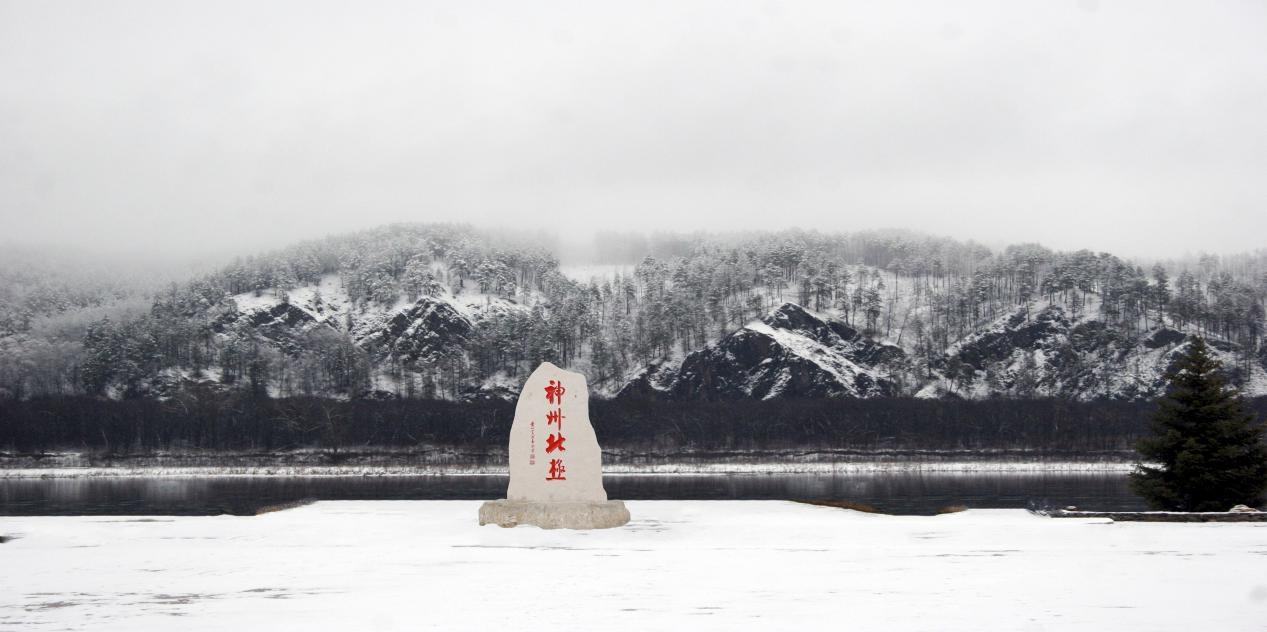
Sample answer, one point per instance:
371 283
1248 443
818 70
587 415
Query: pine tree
1209 448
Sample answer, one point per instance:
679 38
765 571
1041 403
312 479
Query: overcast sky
214 126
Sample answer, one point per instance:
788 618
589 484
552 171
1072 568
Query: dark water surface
892 492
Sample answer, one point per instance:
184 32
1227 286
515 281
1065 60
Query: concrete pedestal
555 515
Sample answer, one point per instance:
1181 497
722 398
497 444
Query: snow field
699 565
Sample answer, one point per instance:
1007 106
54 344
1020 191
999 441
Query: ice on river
722 565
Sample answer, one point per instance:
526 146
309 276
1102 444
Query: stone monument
556 468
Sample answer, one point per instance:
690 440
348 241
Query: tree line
245 423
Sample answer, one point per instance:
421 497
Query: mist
200 130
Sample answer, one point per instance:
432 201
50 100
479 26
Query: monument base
558 515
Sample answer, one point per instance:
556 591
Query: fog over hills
683 200
455 312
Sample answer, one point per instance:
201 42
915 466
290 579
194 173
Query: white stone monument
556 467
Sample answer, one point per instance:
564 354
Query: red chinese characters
554 392
554 442
555 417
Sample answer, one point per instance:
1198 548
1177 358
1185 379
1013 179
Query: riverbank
1164 516
702 469
443 462
709 565
892 491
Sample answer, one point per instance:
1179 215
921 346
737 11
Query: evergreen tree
1209 448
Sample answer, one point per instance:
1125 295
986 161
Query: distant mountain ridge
451 312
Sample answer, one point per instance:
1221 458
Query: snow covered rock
1051 352
425 329
282 324
788 353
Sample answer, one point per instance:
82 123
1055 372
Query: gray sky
203 127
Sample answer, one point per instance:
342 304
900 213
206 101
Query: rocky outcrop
283 325
1051 353
424 330
789 353
416 332
1043 331
1164 337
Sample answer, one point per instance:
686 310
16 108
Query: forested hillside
48 300
443 311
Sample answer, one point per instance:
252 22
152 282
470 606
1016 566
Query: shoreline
672 469
447 461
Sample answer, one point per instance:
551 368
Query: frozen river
901 492
698 565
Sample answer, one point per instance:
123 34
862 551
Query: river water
891 492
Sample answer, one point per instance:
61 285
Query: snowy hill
789 353
1053 353
452 312
396 339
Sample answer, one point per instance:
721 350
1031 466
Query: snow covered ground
412 565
